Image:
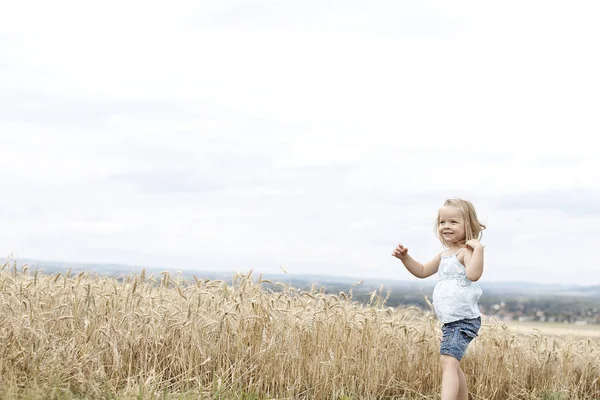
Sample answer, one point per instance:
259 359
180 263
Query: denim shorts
457 335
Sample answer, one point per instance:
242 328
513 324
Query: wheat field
67 336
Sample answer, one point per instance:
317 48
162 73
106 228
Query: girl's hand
474 244
400 252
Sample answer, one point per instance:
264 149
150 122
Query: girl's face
451 225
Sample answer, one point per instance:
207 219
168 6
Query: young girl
455 295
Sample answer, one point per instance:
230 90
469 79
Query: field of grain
158 337
555 329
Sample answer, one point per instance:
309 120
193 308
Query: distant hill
512 288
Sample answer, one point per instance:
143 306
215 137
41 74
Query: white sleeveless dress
455 296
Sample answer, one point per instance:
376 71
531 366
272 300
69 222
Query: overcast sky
313 135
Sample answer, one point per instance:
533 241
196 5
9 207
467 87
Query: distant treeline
518 301
507 306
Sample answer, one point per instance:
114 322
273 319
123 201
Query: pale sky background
315 135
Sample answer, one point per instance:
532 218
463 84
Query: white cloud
316 136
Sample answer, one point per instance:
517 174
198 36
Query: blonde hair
473 228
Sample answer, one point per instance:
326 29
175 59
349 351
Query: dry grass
551 329
86 336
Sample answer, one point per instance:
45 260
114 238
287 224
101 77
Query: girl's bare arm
413 266
474 260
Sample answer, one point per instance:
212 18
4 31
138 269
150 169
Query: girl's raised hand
400 252
473 244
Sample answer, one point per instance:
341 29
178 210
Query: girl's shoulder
446 253
465 253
